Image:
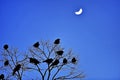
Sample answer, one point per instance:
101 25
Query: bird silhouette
64 61
36 45
5 46
48 61
56 62
57 41
17 68
6 63
73 60
2 77
60 52
34 61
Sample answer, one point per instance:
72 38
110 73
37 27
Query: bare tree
45 60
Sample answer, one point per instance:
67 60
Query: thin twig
57 72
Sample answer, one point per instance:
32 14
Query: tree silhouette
49 61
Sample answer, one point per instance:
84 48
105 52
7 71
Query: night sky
94 35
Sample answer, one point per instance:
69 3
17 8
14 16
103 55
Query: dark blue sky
94 36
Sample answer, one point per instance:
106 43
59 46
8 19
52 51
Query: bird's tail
13 73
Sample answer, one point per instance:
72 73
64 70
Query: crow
5 46
34 61
2 77
57 41
60 52
48 61
56 62
36 45
64 61
6 63
17 68
73 60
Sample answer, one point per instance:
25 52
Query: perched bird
48 61
5 46
17 68
73 60
60 52
2 77
6 63
36 45
34 61
57 41
64 61
56 62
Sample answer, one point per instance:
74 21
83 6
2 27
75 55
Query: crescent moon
79 12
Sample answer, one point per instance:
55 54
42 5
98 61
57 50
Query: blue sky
94 35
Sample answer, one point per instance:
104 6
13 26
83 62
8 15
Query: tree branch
57 72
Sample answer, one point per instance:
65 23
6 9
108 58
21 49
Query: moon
79 12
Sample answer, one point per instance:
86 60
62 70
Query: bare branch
48 56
